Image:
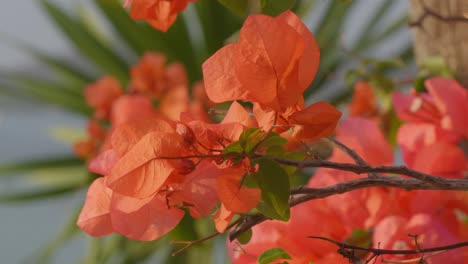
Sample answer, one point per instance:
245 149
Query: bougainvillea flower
199 189
235 196
363 102
161 14
174 102
316 121
264 236
101 94
371 145
222 218
359 209
393 233
306 220
95 216
143 219
151 76
261 69
130 107
444 106
441 159
142 171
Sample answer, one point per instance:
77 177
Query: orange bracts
161 14
272 64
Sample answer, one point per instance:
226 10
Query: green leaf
234 147
273 139
139 37
87 42
62 162
217 23
296 156
272 255
245 237
276 7
273 180
69 230
248 134
38 194
238 7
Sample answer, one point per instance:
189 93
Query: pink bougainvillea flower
101 95
442 159
360 208
444 106
371 145
393 233
95 216
306 220
260 69
161 14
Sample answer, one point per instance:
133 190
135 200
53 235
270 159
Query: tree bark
438 36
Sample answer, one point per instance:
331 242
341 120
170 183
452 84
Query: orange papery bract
139 172
101 95
392 233
234 196
143 219
95 217
316 121
363 102
161 14
222 218
261 69
151 76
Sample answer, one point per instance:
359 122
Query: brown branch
302 194
427 12
189 244
349 151
361 169
379 252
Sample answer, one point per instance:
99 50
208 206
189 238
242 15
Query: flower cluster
382 217
160 162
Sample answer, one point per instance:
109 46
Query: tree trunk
437 36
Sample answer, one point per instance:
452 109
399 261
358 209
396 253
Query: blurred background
45 61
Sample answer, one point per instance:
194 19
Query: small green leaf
238 7
248 134
245 237
273 180
276 7
272 255
296 156
235 148
274 139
